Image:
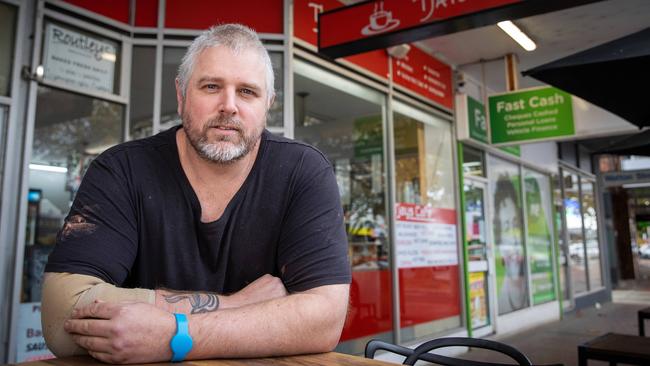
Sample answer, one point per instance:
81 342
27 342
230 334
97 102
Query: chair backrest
421 352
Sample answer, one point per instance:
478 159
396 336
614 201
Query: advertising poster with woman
510 256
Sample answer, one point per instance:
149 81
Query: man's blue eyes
243 90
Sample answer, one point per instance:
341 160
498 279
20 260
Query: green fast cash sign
530 115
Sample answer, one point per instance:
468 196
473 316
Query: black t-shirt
136 222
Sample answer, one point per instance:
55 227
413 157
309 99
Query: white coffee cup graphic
380 21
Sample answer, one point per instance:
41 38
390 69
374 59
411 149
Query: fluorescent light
515 33
48 168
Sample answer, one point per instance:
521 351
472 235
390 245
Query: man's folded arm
63 292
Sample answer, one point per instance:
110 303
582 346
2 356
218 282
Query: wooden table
616 348
326 359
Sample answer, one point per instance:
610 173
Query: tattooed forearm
199 301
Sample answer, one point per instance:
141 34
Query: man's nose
228 102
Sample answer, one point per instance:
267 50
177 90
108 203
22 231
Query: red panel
265 16
305 17
373 61
425 75
146 13
388 16
114 9
428 293
371 308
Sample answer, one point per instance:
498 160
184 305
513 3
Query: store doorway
479 256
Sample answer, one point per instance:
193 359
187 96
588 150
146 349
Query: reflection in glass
426 245
172 57
143 76
7 36
344 121
591 234
510 258
473 162
562 254
539 239
70 131
573 216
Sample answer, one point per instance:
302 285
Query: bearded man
211 239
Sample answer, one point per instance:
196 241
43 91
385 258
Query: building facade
444 237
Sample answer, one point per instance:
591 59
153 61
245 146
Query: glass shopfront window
507 225
425 227
344 120
562 254
473 162
8 18
143 77
590 221
70 131
539 237
573 217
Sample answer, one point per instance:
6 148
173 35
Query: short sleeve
99 236
313 248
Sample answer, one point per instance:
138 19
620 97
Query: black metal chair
422 352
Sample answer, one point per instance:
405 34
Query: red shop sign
305 20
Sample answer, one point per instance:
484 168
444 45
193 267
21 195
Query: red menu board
425 75
305 20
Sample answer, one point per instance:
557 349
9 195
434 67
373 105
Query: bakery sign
78 59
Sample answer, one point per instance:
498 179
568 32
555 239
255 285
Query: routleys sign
78 59
530 115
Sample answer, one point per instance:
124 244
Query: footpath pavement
557 342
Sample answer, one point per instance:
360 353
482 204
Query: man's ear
179 97
268 107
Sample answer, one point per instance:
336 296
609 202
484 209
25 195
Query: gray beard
225 151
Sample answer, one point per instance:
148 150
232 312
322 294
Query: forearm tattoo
199 301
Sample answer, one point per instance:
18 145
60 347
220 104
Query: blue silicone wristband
181 342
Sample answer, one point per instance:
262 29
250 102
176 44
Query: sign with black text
78 59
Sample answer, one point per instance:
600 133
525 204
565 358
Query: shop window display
562 254
507 225
425 224
345 122
539 237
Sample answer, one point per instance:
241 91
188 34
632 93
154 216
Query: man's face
225 105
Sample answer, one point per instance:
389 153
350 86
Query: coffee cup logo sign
380 21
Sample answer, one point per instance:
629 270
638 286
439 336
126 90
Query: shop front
102 75
443 238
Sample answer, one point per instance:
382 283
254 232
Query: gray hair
236 37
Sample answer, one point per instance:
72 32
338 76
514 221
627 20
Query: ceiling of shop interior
557 34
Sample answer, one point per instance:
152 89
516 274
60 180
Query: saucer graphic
369 30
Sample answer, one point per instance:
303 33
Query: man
240 230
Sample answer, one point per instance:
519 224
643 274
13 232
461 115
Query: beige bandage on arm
62 292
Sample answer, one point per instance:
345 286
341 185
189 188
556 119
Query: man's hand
262 289
123 332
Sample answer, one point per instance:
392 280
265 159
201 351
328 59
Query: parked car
644 251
